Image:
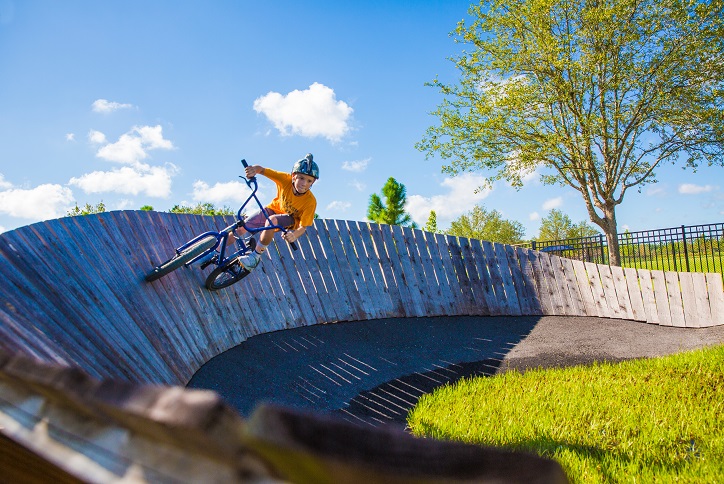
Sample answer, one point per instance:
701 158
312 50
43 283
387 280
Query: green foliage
557 226
202 209
594 95
431 224
392 211
147 208
655 420
487 225
87 209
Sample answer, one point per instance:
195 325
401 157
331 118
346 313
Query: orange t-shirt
300 207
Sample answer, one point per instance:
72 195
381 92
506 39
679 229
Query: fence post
532 244
606 256
686 252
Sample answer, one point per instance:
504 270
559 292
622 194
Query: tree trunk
611 232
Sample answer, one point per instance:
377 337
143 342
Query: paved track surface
373 372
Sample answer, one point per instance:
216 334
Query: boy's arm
254 170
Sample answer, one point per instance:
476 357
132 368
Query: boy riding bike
293 207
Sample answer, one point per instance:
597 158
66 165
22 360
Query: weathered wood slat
332 245
481 305
377 303
462 275
573 290
541 285
590 308
661 297
609 289
564 293
506 277
647 294
635 297
446 300
673 290
701 295
400 274
332 281
408 272
457 304
599 297
387 308
435 287
622 296
497 297
532 299
716 298
392 287
554 295
422 283
688 300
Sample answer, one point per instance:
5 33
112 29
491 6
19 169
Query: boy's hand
289 237
252 171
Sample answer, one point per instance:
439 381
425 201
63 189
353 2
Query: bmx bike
203 248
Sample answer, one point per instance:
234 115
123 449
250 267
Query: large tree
482 224
392 210
594 94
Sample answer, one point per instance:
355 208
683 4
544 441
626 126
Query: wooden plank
506 275
564 293
599 297
423 269
589 307
385 307
661 297
461 273
481 281
446 297
531 290
318 268
386 266
409 272
688 300
573 289
544 294
496 296
704 316
457 299
376 298
357 298
516 273
716 298
673 291
551 283
333 282
647 295
634 292
400 274
622 295
609 289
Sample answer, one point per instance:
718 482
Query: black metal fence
693 248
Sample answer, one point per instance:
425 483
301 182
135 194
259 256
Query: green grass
648 420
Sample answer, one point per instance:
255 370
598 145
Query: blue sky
154 102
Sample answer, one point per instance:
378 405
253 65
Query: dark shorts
257 220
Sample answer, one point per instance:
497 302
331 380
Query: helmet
306 166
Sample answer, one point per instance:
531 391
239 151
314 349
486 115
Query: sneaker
250 261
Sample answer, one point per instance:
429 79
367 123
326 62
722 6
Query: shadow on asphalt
367 372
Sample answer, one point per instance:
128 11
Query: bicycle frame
222 236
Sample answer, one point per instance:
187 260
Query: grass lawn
648 420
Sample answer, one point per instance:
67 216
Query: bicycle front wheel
189 253
224 276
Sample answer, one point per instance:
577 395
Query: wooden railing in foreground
81 332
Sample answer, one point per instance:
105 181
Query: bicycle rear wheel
182 258
224 276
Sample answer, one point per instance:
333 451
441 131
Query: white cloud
70 136
132 147
309 113
105 106
552 203
461 198
40 203
358 185
96 137
4 184
691 189
339 206
533 216
656 191
357 166
152 181
221 194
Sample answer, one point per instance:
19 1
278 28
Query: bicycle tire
225 276
182 258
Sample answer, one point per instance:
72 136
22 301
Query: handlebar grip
243 162
294 245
